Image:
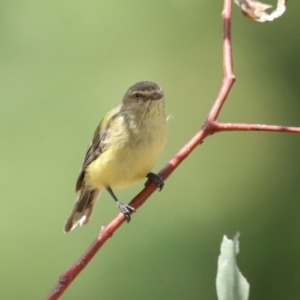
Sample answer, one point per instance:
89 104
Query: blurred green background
64 64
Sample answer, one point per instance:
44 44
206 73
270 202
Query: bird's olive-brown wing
96 147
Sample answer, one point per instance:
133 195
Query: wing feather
96 146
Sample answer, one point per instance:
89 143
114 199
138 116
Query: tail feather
83 208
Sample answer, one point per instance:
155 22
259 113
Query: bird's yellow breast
131 154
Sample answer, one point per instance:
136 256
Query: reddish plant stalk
209 127
218 127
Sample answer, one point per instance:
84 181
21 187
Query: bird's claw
126 209
157 179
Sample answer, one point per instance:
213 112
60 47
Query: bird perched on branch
124 149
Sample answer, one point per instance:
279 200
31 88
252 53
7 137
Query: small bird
124 149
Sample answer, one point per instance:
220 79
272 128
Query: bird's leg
124 208
156 178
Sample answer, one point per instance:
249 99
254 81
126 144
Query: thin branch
229 77
219 127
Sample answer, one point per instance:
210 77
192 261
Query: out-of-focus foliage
64 64
230 283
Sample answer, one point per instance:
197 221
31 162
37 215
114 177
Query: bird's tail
83 208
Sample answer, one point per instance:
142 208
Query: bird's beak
157 95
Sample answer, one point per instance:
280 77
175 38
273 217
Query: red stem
218 127
229 77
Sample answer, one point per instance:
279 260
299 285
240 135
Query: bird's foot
157 179
126 210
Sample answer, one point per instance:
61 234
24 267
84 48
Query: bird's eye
137 96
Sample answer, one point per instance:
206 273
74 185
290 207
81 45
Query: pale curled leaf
231 284
256 10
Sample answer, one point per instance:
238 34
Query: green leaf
231 284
